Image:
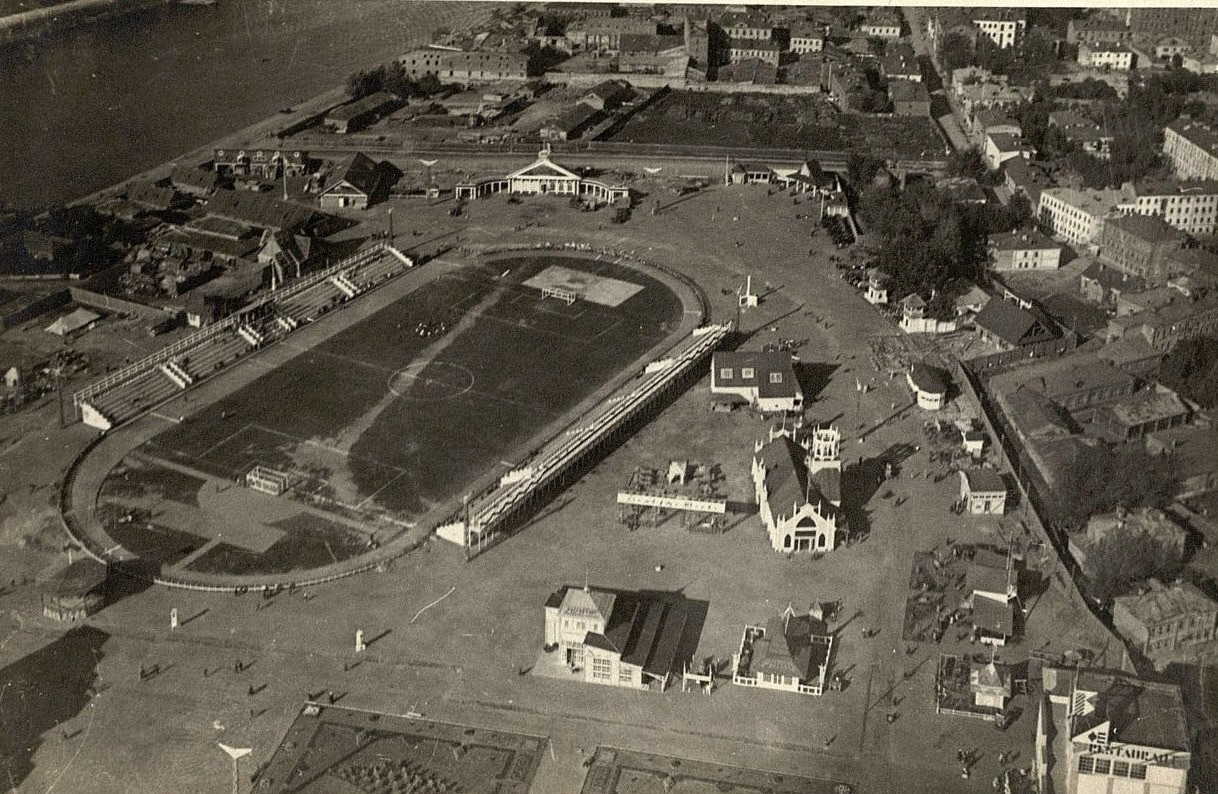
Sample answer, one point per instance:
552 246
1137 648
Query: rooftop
1111 278
1147 406
1196 132
1160 603
647 628
907 91
1092 202
1031 239
984 481
926 378
1068 375
1150 228
1138 712
368 104
787 647
1011 324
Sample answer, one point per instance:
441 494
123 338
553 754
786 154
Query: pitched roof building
765 380
797 485
791 652
639 640
1099 730
1008 326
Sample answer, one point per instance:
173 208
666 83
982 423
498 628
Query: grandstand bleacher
120 397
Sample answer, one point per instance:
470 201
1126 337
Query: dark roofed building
1105 727
572 122
929 385
76 592
797 485
1009 327
261 210
150 196
354 183
195 181
1105 284
640 640
355 115
609 95
791 652
983 492
763 379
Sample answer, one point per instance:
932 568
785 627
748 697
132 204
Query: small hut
76 592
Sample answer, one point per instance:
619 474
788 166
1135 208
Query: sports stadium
335 430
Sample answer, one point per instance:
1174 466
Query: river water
87 108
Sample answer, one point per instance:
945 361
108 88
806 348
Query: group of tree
393 79
1135 123
1191 368
1101 478
1117 563
1033 57
926 243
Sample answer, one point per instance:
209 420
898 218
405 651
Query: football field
407 408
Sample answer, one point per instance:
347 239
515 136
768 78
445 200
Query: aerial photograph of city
420 396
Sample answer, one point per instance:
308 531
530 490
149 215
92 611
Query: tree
1191 368
1099 479
956 52
621 215
861 169
1120 560
967 163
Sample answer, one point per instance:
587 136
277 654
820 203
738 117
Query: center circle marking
431 381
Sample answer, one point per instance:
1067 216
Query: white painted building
1103 55
1192 148
764 380
1004 27
1077 216
1102 731
983 492
797 485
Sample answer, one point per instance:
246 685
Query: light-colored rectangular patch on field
588 286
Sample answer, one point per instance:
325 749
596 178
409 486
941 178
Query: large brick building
478 66
1140 245
1163 619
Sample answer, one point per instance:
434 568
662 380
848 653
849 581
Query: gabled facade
787 654
619 638
545 177
1107 731
797 485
